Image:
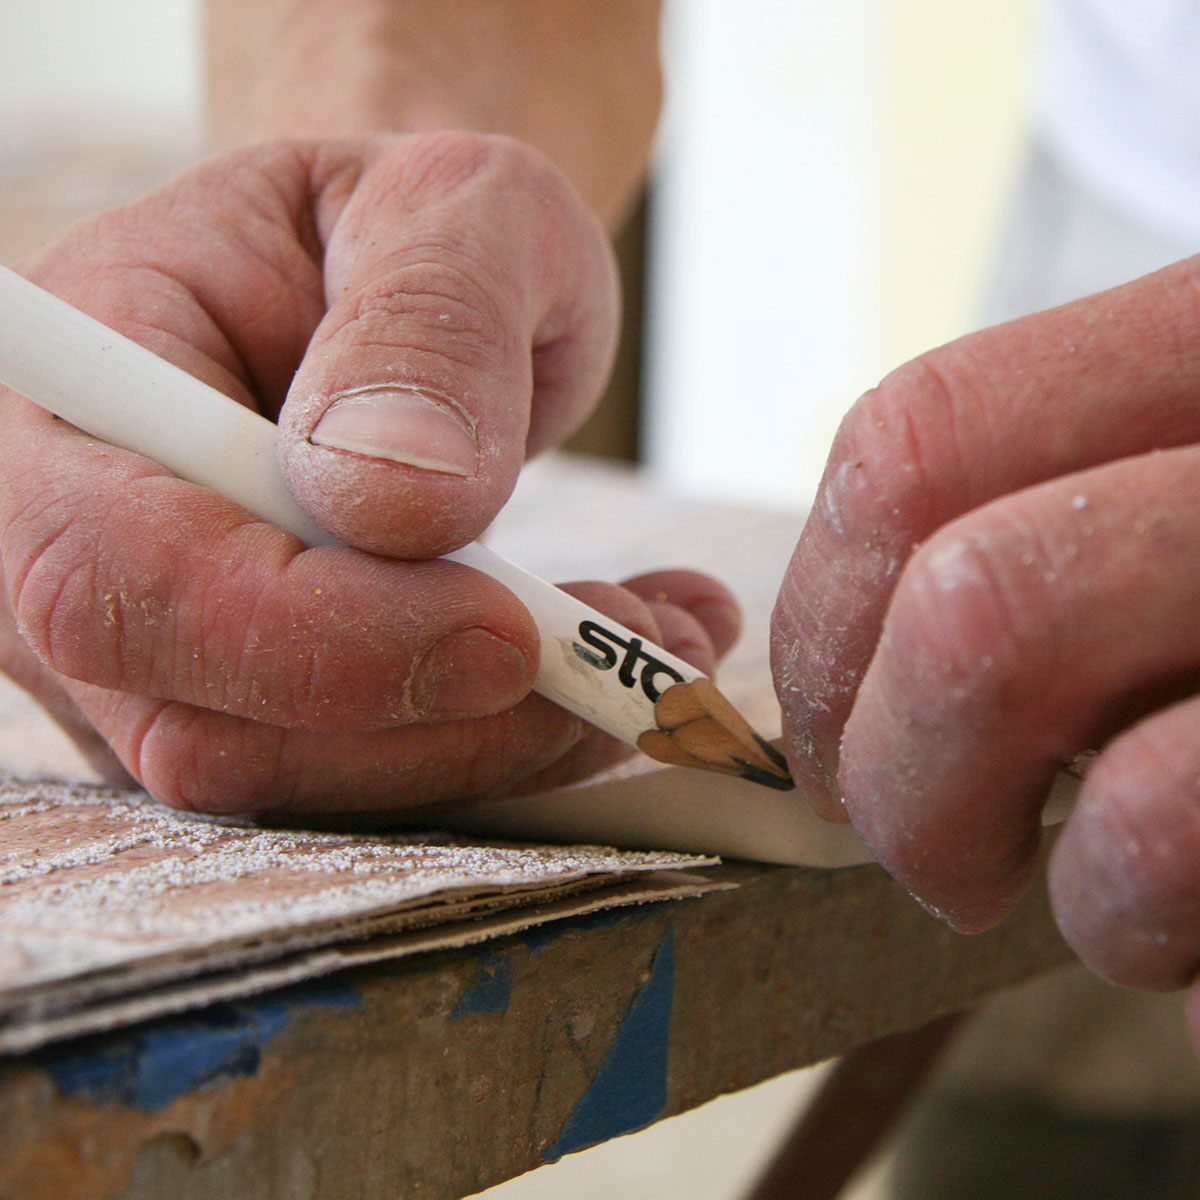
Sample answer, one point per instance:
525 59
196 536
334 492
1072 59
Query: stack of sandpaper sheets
114 909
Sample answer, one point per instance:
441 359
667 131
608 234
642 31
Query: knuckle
795 631
428 168
441 287
83 603
890 465
263 663
314 658
290 684
55 592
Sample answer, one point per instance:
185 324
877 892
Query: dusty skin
1002 569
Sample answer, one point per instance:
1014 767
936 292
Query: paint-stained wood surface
437 1076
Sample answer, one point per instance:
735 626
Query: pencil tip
776 756
698 727
772 779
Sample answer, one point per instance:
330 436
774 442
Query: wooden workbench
441 1074
438 1076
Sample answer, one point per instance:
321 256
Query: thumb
472 314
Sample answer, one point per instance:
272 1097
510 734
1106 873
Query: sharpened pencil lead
698 727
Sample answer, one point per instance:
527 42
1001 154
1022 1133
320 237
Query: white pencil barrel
120 392
613 699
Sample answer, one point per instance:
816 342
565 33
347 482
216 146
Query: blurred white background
127 56
832 179
123 58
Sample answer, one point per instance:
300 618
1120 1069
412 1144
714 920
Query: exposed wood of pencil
698 727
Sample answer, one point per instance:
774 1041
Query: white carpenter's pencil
118 391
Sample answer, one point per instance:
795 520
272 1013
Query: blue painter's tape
492 990
629 1090
150 1066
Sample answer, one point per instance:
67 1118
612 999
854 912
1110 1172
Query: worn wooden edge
440 1075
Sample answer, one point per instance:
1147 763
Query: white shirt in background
1119 106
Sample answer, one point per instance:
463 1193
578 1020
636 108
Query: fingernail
401 425
470 673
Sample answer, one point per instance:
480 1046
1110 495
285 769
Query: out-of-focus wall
832 180
119 56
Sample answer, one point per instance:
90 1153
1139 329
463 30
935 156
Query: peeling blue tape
492 990
154 1064
629 1090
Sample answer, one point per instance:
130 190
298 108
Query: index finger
1054 393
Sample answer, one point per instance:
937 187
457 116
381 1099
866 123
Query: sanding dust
109 889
